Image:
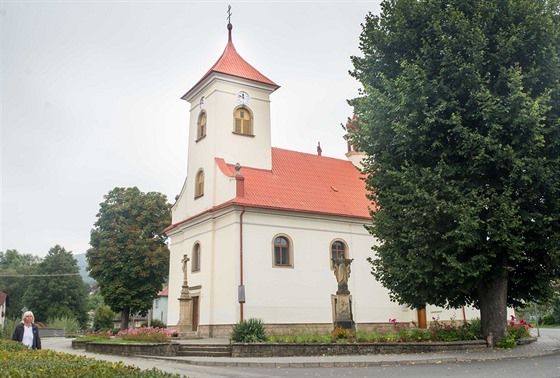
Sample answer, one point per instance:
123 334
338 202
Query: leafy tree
128 256
94 301
15 270
459 118
103 318
58 290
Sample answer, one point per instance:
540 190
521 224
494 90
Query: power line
40 275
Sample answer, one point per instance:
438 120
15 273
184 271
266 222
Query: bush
519 328
146 334
8 329
473 330
248 331
507 342
547 319
103 318
154 323
342 333
18 361
98 335
68 324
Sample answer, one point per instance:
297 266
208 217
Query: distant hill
82 264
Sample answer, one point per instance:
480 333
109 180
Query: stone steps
204 350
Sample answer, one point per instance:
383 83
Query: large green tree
15 270
57 290
459 118
128 256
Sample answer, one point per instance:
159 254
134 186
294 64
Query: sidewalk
542 347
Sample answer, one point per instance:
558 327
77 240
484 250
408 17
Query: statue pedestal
343 312
184 327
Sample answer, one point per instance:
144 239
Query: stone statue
342 273
342 270
343 301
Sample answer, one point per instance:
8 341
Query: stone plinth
343 312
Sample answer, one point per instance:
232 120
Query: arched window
195 266
243 121
282 252
201 125
199 184
338 250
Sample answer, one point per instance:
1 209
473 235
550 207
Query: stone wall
319 349
125 349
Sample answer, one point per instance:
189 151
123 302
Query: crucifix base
184 327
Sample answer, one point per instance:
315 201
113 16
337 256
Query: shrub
8 329
473 330
68 324
155 323
248 331
507 342
519 328
146 334
342 333
98 335
547 319
18 361
103 318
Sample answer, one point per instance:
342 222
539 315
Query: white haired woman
27 331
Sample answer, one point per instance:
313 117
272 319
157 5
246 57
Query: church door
195 313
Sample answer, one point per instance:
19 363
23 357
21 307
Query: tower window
243 121
199 184
201 126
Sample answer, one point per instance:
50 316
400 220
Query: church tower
229 120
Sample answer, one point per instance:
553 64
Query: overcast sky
91 97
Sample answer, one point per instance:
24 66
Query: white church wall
303 292
217 276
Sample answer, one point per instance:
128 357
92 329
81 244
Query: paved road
545 366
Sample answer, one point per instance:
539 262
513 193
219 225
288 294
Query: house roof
301 182
231 63
164 292
3 297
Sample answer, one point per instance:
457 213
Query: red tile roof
164 292
3 297
301 182
231 63
307 183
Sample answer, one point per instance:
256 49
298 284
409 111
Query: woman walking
27 331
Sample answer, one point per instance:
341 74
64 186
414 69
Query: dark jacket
18 335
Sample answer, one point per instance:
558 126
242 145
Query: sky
91 93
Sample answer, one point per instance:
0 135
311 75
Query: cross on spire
229 14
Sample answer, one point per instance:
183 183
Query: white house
260 224
159 306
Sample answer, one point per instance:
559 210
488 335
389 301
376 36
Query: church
254 228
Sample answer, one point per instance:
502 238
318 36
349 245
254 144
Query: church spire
232 64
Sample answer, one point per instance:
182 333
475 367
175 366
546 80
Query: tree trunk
492 299
125 315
